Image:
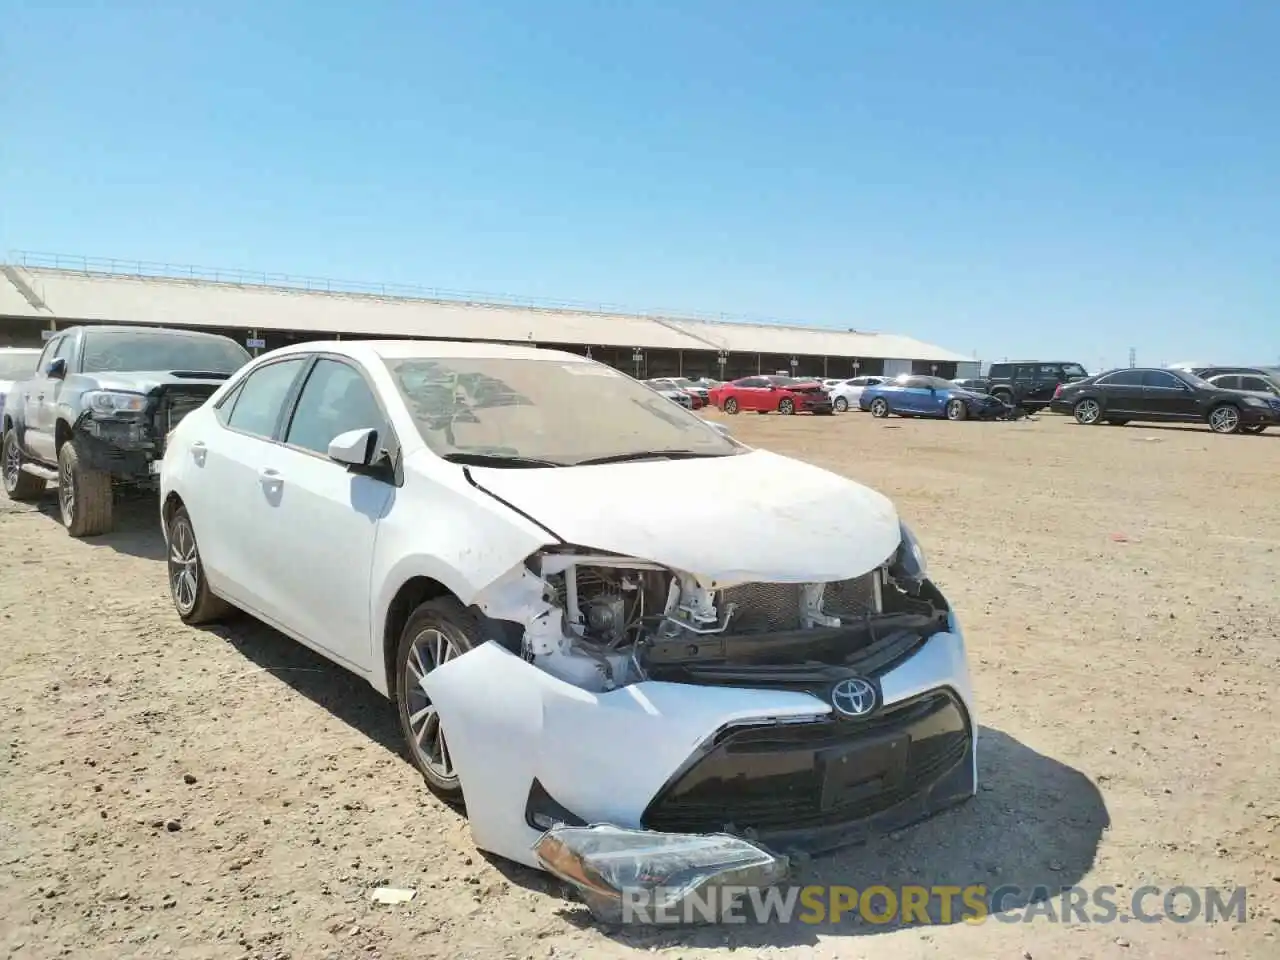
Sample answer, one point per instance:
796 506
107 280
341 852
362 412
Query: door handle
198 452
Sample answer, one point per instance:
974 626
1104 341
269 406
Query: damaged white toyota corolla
637 647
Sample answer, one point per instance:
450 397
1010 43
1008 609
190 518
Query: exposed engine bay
602 622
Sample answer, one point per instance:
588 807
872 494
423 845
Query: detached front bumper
532 751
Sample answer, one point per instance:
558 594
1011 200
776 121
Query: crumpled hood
753 517
144 381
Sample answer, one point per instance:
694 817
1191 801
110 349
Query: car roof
429 349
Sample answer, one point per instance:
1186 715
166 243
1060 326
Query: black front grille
791 776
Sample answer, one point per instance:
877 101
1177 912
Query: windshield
1194 379
1074 370
559 411
17 365
113 351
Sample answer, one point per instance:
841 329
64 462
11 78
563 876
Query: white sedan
504 542
845 394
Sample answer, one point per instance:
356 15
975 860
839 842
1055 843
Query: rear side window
751 382
1227 381
1125 378
259 401
1256 383
998 370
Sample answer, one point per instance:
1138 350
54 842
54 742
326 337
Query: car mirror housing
56 368
355 448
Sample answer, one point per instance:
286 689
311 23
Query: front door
1168 397
42 400
322 569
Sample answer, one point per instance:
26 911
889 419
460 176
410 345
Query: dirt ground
167 791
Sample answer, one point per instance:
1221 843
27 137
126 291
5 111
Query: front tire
880 407
436 632
786 406
188 588
19 485
1087 412
957 410
84 495
841 404
1224 418
731 405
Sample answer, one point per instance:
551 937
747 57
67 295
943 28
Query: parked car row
338 492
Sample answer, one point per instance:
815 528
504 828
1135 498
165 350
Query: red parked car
765 394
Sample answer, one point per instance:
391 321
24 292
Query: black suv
98 409
1177 396
1031 384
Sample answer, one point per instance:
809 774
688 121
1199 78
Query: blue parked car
913 396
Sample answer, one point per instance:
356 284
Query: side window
47 353
1256 383
335 399
64 349
750 382
998 371
228 403
1125 378
1227 381
261 397
1050 372
1158 378
916 383
1024 372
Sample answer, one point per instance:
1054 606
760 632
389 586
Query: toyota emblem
854 697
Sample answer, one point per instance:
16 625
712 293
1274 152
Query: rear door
752 393
1121 393
237 458
1024 380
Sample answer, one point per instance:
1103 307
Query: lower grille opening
824 773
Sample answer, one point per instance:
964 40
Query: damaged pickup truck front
640 652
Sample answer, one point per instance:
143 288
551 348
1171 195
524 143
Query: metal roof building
35 297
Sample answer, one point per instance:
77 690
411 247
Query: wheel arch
416 590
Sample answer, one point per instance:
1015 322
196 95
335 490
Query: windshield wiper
497 460
647 455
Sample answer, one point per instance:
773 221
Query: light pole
856 366
933 368
794 363
637 355
722 358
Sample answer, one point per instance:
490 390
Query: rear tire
85 497
1116 422
19 485
1253 428
188 588
731 405
436 632
880 407
957 410
1087 412
1224 418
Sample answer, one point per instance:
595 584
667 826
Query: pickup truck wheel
18 485
437 631
84 495
187 585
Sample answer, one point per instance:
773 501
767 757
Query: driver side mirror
56 368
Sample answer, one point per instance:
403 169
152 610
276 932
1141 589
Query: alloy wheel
184 569
879 408
841 404
67 492
430 649
12 464
1225 420
1088 411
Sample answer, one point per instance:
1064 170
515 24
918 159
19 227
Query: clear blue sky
1012 178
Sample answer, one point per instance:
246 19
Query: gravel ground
176 792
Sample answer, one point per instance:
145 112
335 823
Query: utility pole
1133 357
